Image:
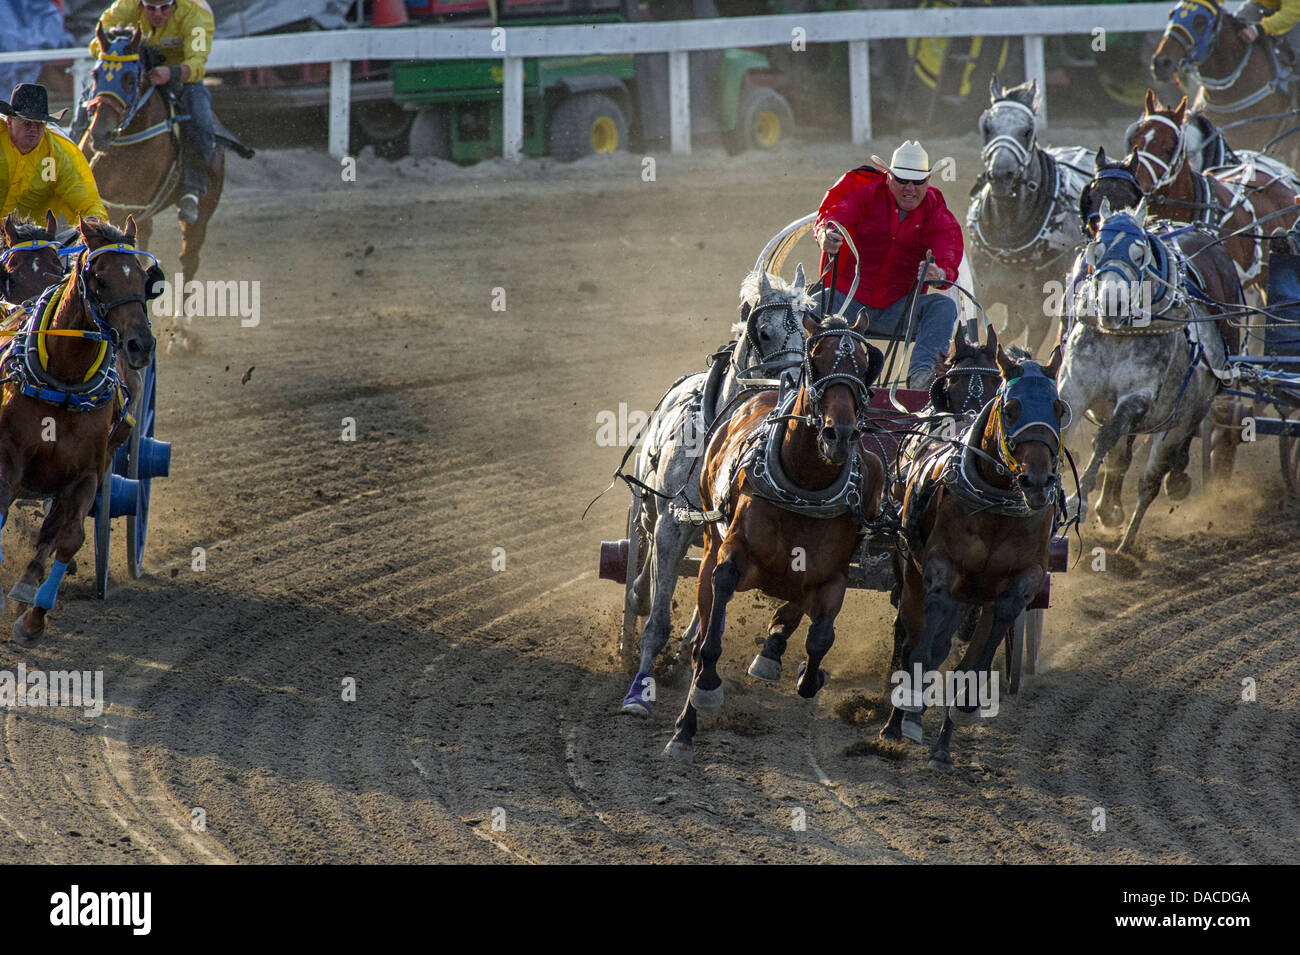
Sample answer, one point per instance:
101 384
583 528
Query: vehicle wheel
383 126
587 124
430 135
1289 453
764 120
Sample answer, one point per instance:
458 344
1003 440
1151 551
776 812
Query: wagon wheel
103 528
629 644
137 524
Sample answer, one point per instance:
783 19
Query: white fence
677 38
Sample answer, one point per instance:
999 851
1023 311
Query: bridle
1003 141
31 246
1163 173
1037 395
975 399
845 370
1110 173
785 357
1187 24
99 310
110 71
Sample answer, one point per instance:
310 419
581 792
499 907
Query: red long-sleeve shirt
891 249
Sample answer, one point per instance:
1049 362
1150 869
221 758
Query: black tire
586 125
383 126
430 134
764 120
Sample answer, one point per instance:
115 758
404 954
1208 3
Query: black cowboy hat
30 102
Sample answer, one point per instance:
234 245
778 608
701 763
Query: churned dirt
485 725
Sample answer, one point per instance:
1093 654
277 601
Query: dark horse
29 259
1238 81
133 144
977 520
786 489
63 411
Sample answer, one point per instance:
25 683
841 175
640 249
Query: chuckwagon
894 413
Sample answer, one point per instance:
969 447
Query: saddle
172 94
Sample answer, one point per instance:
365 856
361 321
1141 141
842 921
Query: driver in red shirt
894 217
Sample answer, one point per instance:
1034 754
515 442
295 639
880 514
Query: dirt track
479 689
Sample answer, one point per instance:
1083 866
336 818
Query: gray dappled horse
769 346
1143 353
1022 223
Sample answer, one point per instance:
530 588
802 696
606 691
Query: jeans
200 140
933 327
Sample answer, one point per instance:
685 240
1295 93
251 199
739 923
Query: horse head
838 368
118 81
968 375
117 281
29 259
1158 143
1009 129
1122 268
1189 39
1113 182
1027 420
771 328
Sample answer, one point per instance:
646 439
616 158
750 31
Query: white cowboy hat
910 161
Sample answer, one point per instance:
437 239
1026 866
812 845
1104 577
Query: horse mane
109 233
150 55
29 231
749 291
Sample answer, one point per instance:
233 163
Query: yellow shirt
54 176
185 39
1286 14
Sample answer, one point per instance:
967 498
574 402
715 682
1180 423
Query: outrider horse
1247 201
1238 81
133 143
64 407
29 259
977 520
786 490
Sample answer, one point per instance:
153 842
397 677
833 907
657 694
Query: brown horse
62 413
1238 81
137 165
29 259
786 488
977 521
1239 199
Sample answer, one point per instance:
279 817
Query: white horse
768 350
1143 355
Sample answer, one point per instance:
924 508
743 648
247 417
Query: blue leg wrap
49 591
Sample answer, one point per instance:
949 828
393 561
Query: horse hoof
23 593
912 727
1177 485
960 717
802 685
1110 516
678 750
22 635
706 699
765 669
940 759
639 700
891 733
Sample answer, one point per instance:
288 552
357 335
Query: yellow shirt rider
182 30
1278 19
41 169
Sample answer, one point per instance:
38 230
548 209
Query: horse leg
1130 410
1177 484
706 688
1228 413
767 662
682 744
1110 506
62 532
193 233
1010 603
942 613
1163 449
825 607
671 538
908 623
